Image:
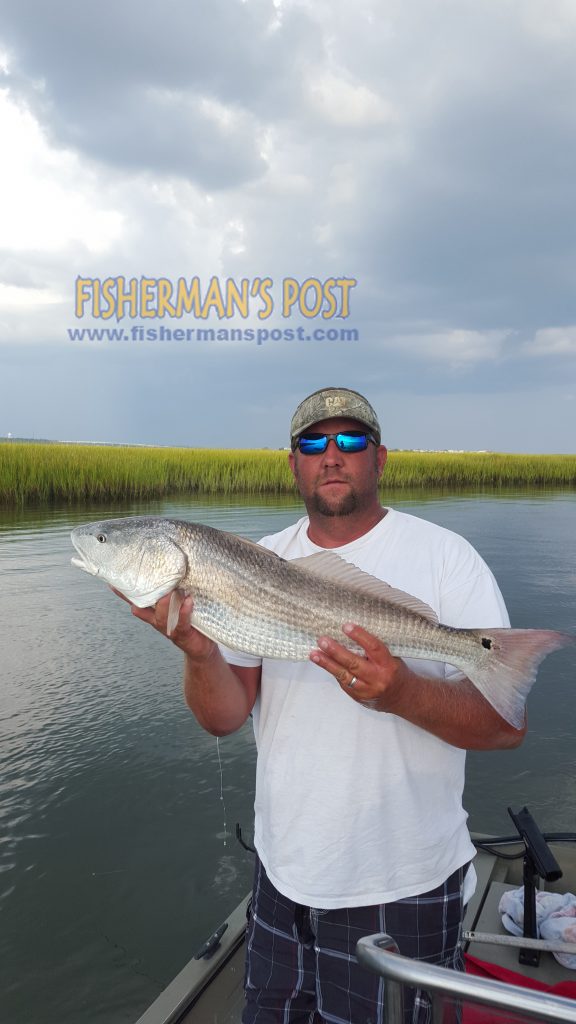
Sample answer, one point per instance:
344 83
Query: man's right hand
190 640
221 696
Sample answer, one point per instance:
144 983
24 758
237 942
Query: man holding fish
358 808
359 824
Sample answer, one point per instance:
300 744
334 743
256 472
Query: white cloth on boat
555 918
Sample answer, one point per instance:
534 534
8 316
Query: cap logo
334 401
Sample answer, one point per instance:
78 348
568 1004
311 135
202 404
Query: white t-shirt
355 806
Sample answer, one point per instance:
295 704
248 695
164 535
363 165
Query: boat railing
448 988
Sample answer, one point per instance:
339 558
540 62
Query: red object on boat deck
484 1014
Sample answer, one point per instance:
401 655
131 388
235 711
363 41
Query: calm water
115 859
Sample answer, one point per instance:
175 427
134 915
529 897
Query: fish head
138 556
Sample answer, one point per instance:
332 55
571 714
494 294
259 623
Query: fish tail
509 670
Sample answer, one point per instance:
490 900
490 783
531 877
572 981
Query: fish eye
101 538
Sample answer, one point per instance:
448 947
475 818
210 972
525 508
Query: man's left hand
374 679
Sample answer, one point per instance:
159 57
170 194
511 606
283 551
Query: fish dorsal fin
331 566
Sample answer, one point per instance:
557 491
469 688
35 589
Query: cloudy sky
425 149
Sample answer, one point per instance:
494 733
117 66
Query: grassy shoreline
44 473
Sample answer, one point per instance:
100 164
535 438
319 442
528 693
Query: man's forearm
214 692
455 712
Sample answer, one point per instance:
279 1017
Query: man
359 825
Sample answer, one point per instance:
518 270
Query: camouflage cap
328 403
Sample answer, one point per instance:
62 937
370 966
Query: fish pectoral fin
176 599
331 566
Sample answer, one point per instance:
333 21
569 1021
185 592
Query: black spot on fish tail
486 642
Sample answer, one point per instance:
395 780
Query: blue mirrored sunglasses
348 441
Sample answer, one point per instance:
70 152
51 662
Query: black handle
544 861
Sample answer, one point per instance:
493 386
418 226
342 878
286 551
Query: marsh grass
479 470
44 473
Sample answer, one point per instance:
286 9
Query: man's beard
344 507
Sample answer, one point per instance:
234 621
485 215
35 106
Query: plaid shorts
301 966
